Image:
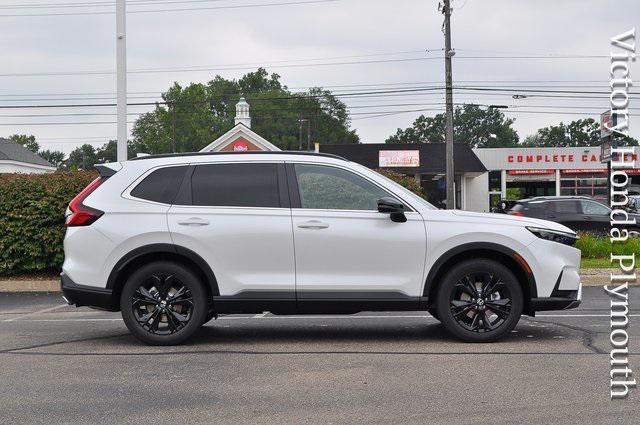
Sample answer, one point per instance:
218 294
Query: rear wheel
479 301
163 303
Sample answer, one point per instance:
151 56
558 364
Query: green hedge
32 210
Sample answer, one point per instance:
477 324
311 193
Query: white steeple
242 113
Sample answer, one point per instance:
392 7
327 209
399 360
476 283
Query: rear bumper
81 295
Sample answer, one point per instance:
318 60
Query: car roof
200 154
555 198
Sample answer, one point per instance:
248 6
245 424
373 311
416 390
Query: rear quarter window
161 185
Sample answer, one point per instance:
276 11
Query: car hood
495 218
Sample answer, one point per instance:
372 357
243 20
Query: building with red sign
240 138
529 172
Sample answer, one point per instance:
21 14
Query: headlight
554 235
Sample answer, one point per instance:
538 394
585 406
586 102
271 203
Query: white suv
174 240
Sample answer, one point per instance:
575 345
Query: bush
32 210
406 181
600 246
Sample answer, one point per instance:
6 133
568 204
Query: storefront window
495 181
583 184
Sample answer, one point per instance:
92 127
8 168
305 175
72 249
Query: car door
236 216
596 216
567 212
345 248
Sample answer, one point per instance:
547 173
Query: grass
595 263
597 249
601 247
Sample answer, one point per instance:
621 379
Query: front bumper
559 299
554 303
81 295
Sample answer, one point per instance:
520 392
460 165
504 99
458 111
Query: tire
479 319
163 303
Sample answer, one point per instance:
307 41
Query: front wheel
479 301
163 303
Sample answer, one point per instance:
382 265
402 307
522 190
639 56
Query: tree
582 132
109 152
54 157
476 126
82 158
197 114
28 142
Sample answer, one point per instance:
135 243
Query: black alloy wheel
479 301
163 303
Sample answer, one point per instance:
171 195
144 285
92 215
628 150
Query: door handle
586 217
193 221
313 224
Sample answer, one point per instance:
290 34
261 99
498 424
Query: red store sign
551 158
526 172
584 171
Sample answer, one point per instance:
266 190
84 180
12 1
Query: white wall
476 193
22 167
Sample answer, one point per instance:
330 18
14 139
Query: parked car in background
579 213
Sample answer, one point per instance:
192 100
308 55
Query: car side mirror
392 206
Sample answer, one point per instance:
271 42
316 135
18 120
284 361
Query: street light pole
448 53
121 70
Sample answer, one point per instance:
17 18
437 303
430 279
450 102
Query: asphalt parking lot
66 365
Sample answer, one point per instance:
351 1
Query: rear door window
565 207
235 185
161 185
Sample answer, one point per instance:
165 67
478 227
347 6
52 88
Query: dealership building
547 172
482 176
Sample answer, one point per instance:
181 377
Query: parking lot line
33 313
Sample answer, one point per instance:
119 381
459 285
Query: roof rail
174 155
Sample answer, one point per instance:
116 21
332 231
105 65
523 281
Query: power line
280 64
173 10
564 83
100 4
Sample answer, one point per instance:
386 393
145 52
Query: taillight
80 214
516 213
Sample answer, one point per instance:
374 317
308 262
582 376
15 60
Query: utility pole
300 120
121 70
448 53
172 105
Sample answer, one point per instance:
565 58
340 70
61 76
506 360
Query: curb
590 277
30 285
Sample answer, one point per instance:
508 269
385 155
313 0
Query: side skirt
287 306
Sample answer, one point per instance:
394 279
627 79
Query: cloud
349 27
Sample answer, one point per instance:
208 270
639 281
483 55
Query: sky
347 46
